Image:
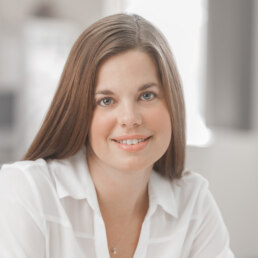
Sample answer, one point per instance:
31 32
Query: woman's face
131 126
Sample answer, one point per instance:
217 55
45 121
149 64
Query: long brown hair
66 126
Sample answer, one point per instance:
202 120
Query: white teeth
131 141
135 141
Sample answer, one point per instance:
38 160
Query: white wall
14 12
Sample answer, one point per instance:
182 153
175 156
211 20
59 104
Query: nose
129 115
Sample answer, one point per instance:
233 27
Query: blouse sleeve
20 235
211 238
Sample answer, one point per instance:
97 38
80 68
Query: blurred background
215 44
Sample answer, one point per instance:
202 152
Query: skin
129 101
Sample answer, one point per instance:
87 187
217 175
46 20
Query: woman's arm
21 225
19 235
211 238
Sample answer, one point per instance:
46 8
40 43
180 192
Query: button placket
101 245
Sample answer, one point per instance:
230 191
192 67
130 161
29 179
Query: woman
104 175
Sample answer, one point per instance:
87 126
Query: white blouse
50 209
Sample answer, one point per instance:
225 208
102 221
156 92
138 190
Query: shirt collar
72 178
162 193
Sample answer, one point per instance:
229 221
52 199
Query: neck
121 194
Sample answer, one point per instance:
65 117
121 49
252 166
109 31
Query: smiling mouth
132 141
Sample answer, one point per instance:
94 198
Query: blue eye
106 102
148 96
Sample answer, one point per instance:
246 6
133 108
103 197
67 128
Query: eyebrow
143 87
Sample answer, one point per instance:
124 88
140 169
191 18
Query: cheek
101 126
159 118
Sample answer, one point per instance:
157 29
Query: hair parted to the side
66 126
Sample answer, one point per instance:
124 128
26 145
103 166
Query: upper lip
129 137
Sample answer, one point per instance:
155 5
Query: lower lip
133 147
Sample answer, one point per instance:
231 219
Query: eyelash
100 102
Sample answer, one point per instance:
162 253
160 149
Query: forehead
130 67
